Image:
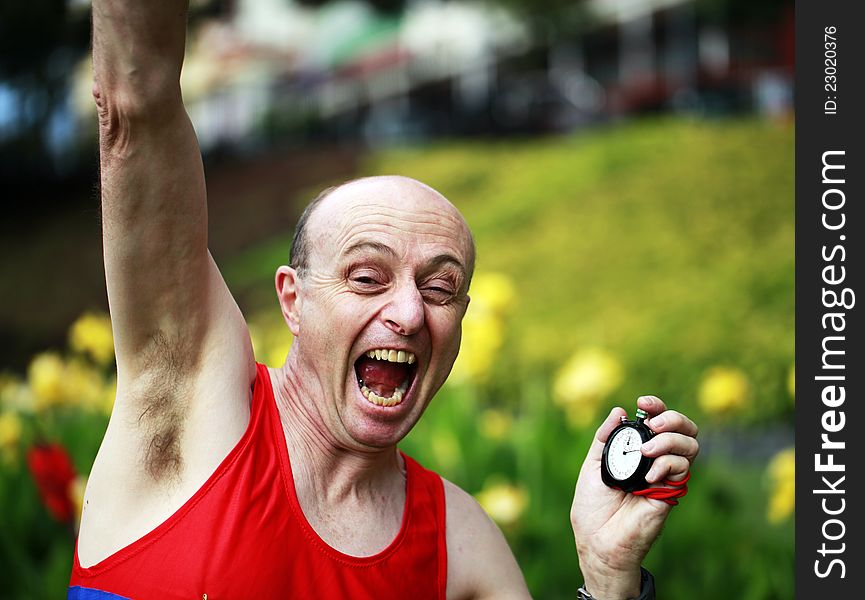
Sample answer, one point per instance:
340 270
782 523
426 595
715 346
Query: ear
287 291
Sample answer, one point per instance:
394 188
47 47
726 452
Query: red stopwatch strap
667 494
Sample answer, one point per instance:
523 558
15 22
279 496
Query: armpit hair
163 393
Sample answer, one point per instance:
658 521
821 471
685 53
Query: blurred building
269 68
260 72
668 54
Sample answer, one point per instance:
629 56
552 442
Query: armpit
162 393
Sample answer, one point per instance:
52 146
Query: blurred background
627 169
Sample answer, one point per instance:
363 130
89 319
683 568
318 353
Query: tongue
381 376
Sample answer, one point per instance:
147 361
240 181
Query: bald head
401 197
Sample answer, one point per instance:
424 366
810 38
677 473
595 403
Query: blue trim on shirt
82 593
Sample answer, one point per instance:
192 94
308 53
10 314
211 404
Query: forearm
145 136
152 179
138 51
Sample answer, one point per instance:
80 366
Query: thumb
611 422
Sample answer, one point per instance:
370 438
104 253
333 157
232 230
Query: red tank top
243 535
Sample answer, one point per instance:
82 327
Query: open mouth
384 375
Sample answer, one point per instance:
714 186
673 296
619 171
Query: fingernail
648 446
657 422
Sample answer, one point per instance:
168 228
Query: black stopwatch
623 466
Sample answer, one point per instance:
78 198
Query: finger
611 422
669 466
671 443
651 404
671 420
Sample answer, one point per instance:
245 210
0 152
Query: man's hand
614 530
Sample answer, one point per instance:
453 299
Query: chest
355 527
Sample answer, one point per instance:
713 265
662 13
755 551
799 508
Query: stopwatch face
623 456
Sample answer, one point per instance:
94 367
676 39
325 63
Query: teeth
395 399
397 356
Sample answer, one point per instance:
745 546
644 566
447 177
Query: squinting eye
364 280
437 294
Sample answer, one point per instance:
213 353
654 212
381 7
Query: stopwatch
623 466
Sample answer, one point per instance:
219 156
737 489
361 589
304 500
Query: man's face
381 305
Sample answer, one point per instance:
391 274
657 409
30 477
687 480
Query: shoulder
465 517
480 562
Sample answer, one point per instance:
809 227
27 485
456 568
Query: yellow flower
483 328
781 473
84 386
278 347
15 394
504 502
58 383
10 436
584 381
10 429
495 424
483 335
723 390
271 340
91 334
492 292
46 375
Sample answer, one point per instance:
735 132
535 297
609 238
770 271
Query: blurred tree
40 42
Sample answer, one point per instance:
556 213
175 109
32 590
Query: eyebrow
444 259
369 245
436 261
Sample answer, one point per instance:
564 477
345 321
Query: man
219 478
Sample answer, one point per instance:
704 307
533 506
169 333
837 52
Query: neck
322 461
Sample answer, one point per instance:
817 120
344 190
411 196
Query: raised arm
184 360
154 209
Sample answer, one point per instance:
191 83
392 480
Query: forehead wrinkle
420 216
348 213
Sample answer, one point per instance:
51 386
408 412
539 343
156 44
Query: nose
404 314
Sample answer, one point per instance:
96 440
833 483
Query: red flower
53 472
